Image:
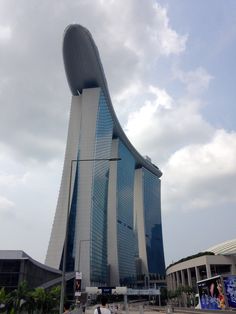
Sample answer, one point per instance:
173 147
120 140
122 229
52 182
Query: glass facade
93 140
152 222
127 239
9 274
14 271
98 229
125 232
70 258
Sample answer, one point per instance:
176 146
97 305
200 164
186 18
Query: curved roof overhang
84 70
225 248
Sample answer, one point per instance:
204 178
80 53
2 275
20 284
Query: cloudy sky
171 69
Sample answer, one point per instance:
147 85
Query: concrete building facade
222 261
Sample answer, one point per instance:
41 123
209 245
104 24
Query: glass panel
125 237
98 254
153 226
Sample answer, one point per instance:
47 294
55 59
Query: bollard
126 304
140 309
169 309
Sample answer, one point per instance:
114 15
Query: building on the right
219 260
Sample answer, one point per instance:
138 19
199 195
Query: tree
39 296
3 298
18 297
38 301
54 297
46 300
164 295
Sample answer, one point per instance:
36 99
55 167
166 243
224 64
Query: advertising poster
78 278
230 290
211 294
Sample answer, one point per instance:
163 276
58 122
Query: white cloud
198 161
135 39
130 43
170 40
196 81
5 33
199 176
11 180
163 99
163 124
5 204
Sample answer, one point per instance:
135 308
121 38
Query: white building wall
139 218
57 239
112 219
80 145
87 137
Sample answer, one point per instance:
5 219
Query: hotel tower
114 206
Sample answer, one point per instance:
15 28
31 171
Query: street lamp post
67 225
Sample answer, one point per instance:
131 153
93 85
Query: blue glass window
125 237
98 236
70 256
153 226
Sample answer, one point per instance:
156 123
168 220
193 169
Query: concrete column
183 278
168 282
197 274
233 267
189 277
174 281
178 279
208 270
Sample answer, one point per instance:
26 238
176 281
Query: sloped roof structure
225 248
84 69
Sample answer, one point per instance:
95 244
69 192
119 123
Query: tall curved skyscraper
115 230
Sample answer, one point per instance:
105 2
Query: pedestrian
66 308
103 308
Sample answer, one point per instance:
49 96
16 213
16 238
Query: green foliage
37 301
17 297
182 296
3 298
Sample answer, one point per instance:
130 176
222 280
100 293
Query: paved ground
130 310
159 310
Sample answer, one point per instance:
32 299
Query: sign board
106 290
93 290
143 291
78 275
119 290
211 294
230 290
78 278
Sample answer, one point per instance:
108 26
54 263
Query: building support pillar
183 278
208 270
189 277
178 279
197 274
233 267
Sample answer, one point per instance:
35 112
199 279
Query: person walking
103 308
66 308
